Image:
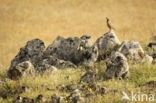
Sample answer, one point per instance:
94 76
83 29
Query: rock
107 43
18 100
63 48
28 57
75 97
89 77
151 84
62 53
117 66
47 65
152 45
53 63
68 88
5 93
21 69
89 97
22 89
132 50
61 87
14 74
71 87
102 91
94 86
97 89
65 64
147 59
73 50
40 99
27 100
84 43
154 58
35 47
52 68
55 99
19 58
90 56
148 86
33 51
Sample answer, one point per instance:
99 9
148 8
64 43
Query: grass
140 74
23 20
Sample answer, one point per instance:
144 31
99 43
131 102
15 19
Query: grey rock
18 100
89 77
73 49
117 66
132 50
29 55
75 97
20 69
55 99
152 45
106 44
40 99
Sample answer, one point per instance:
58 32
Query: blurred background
22 20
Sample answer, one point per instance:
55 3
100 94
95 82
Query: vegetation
22 20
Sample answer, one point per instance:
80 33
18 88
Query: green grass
139 74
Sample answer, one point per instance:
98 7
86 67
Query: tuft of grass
142 73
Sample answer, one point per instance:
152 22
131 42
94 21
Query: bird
109 24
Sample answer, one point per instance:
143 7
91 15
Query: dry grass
22 20
140 74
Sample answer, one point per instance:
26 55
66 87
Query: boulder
117 66
89 76
73 49
147 59
106 44
21 69
132 50
27 58
50 62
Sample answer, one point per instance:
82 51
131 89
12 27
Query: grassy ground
22 20
140 74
